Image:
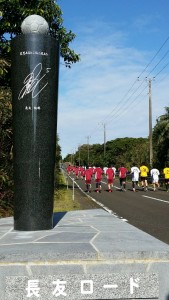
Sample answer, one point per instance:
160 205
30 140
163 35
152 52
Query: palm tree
161 139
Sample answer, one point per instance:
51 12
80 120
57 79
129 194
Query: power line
159 81
117 108
154 56
158 63
124 101
121 100
161 70
129 105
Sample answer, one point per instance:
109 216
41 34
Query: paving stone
83 244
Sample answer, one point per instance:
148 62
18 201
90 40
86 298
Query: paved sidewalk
83 245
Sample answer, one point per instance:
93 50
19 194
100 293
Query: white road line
93 199
155 199
99 203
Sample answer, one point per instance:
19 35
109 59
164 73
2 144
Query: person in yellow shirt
143 174
166 177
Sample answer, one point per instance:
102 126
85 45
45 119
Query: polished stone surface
35 63
84 243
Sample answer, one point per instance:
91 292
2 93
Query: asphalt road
148 211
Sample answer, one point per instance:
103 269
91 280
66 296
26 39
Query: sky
118 41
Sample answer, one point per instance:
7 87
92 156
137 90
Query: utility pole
104 128
79 154
72 157
150 123
88 137
104 139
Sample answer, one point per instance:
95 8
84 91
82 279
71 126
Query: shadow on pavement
57 216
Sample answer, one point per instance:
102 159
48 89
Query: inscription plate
84 286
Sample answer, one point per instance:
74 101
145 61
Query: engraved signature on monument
32 81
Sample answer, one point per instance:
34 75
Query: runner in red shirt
73 169
122 177
91 170
82 172
110 178
88 179
76 172
98 178
69 169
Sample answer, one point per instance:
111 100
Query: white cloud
144 22
95 88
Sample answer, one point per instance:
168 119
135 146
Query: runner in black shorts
143 174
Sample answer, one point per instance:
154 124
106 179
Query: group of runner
137 174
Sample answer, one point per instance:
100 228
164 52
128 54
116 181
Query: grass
63 197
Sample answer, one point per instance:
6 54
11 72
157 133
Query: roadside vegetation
121 150
12 13
63 199
128 150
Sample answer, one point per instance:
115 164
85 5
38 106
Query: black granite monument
35 65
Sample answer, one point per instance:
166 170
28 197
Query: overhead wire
161 70
159 81
117 108
115 112
154 56
158 63
128 106
127 100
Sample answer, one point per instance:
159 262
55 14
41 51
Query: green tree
58 159
121 150
161 139
13 12
6 167
58 153
6 124
127 150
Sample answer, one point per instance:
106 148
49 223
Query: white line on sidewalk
155 199
6 233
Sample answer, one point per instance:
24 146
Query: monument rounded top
34 24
